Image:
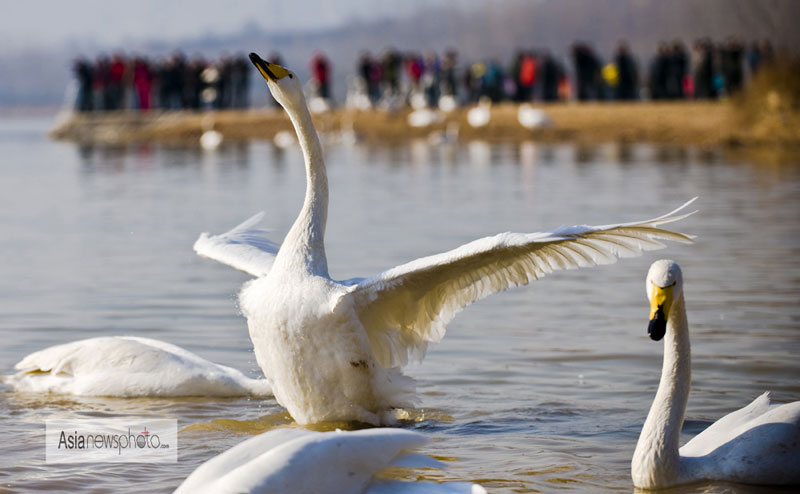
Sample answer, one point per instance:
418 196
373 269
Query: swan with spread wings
332 350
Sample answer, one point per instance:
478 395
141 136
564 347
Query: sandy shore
685 123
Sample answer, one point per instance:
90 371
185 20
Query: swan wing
720 431
758 413
761 447
244 247
404 308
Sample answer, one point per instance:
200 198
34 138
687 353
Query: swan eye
291 76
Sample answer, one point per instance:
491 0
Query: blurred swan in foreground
128 366
332 350
759 444
300 461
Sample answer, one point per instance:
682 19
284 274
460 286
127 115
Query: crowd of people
171 83
711 70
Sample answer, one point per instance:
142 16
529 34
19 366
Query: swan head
284 85
664 285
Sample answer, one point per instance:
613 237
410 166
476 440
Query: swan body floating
759 444
332 350
303 461
128 366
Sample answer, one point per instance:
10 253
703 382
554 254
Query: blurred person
224 82
171 77
142 83
115 93
611 79
551 74
628 85
493 84
100 75
321 75
524 73
659 72
193 85
370 74
587 72
449 82
473 81
414 68
431 78
704 73
391 66
676 70
731 64
83 73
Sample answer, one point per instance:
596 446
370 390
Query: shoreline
704 124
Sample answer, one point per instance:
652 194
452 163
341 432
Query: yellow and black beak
270 71
660 303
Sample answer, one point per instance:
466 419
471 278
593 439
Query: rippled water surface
539 389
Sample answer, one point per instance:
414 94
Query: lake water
539 389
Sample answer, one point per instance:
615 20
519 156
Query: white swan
128 366
332 349
300 461
481 114
759 444
532 118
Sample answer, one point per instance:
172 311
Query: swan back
303 461
128 366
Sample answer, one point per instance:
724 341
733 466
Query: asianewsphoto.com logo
111 440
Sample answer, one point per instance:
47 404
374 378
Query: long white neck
305 242
656 461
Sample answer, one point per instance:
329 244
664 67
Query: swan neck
307 236
656 461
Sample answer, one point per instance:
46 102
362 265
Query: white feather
243 247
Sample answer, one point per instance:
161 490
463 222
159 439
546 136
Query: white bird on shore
300 461
127 366
480 115
332 350
759 444
532 118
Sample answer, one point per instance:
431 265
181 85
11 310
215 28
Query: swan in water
332 350
303 461
759 444
128 366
